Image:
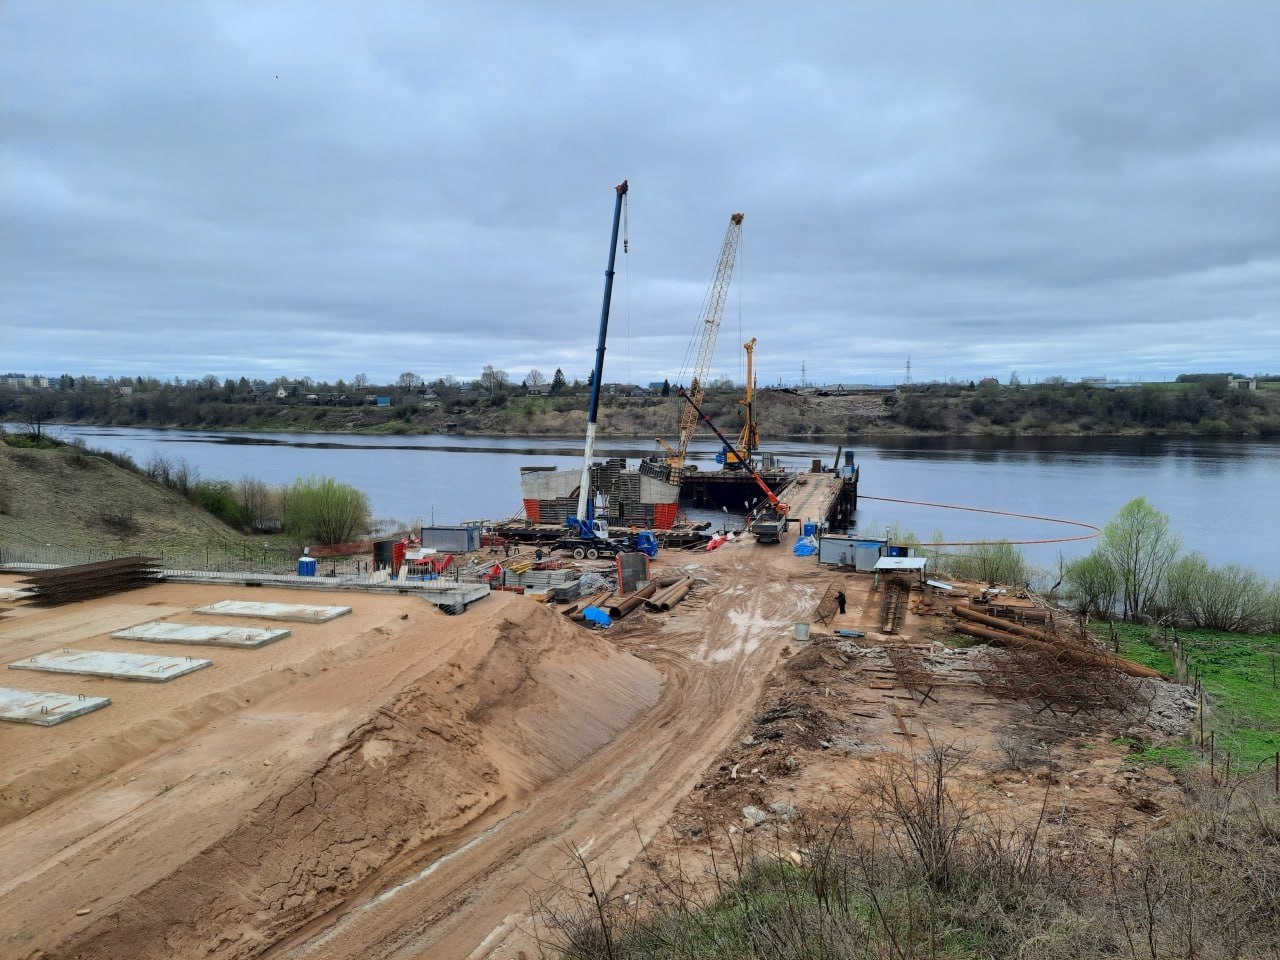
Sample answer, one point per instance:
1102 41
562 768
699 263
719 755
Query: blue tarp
596 615
805 547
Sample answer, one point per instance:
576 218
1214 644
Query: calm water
1221 494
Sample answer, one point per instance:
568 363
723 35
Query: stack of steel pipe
574 610
85 581
618 607
1002 632
665 599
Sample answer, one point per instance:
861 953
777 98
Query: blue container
306 566
809 529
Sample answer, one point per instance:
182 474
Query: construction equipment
749 438
710 323
770 521
590 538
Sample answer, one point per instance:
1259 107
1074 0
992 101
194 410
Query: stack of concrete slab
45 709
118 666
217 635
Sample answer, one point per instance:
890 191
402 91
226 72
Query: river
1220 494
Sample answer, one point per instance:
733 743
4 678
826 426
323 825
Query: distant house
623 390
1241 383
539 389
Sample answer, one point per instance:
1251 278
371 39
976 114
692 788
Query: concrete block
118 666
217 635
301 612
45 709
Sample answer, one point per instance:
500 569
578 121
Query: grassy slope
73 501
1235 670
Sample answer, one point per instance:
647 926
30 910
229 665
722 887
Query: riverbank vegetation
1139 573
68 503
1202 405
914 868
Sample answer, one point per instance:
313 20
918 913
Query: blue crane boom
582 521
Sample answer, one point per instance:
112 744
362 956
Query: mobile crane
770 522
590 537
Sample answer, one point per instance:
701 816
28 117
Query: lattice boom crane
710 328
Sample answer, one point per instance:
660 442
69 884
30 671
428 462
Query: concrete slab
274 611
217 635
45 709
119 666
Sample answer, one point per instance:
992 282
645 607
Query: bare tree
360 381
254 497
534 379
37 409
493 380
408 381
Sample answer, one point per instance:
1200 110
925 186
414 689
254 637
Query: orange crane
771 522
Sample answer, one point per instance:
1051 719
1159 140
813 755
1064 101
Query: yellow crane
749 438
710 322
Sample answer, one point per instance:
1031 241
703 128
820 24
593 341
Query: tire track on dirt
473 900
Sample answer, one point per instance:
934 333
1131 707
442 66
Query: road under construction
394 781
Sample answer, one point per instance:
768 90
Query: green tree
558 382
321 510
1140 546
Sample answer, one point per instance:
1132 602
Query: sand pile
522 697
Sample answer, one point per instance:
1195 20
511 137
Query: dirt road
470 897
395 783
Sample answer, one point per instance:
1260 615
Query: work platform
217 635
117 666
300 612
45 709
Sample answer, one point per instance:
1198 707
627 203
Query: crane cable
1001 513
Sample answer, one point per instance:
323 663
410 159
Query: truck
600 545
769 524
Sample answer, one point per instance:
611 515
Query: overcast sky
323 189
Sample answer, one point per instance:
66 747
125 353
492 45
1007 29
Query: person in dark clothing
840 601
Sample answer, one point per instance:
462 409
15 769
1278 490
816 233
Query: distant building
1241 383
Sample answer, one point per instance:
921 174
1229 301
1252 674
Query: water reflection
1220 493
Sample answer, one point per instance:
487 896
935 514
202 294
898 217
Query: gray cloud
324 189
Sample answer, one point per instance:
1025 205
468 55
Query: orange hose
1001 513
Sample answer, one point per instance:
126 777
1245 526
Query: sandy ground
398 783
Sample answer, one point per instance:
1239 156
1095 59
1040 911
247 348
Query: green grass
1236 672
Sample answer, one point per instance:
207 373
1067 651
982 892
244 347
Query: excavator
770 521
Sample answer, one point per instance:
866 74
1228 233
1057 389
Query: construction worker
840 600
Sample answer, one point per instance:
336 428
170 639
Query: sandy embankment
214 814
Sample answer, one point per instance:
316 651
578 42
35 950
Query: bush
1093 585
1000 562
321 510
218 497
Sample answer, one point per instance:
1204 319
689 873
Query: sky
324 189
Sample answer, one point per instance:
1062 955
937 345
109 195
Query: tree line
1138 572
314 510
